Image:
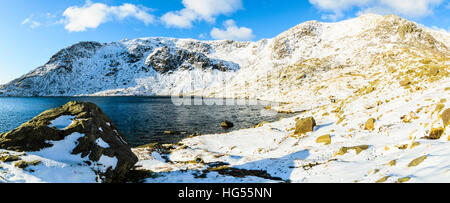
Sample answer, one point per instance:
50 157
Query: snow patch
107 162
100 142
62 122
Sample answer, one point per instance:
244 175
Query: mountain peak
167 66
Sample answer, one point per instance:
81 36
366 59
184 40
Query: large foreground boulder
304 126
96 139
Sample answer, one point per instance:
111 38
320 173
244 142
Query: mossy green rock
90 121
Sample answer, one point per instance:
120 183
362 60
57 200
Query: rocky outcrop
166 59
99 138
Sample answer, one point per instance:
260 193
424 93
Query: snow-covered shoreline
273 150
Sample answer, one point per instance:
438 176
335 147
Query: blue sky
33 30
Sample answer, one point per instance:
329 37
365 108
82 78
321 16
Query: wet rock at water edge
227 124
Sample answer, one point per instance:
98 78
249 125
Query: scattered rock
261 124
439 107
402 147
392 163
286 111
304 126
435 134
227 124
99 140
417 161
383 179
446 117
403 180
25 164
358 149
414 144
409 117
370 124
405 82
326 139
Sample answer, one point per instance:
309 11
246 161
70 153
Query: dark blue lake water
143 120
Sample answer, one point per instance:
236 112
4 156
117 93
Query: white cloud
410 8
440 29
30 22
232 32
198 10
91 15
180 19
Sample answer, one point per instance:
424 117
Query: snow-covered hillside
270 69
398 149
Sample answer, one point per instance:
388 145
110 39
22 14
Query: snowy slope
342 74
270 69
273 149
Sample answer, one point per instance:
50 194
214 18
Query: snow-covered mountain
270 69
377 88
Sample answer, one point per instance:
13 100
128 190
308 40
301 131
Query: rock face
166 59
99 138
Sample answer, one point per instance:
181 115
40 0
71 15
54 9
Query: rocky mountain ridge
270 69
